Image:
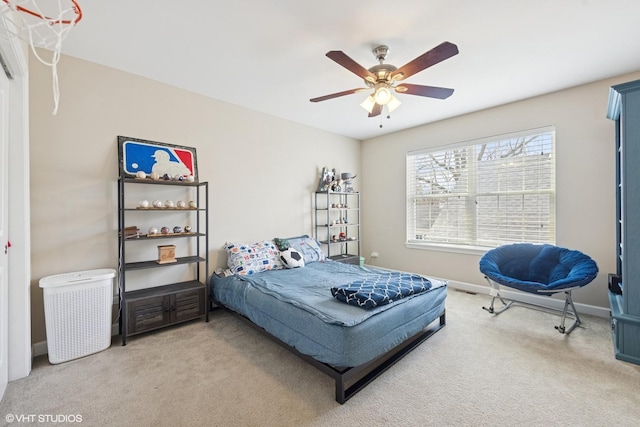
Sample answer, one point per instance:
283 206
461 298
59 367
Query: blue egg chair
539 269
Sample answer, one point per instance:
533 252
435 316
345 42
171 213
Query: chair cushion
538 268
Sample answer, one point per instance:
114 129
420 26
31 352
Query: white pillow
252 258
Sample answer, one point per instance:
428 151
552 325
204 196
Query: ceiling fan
383 78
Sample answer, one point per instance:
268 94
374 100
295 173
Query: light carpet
514 369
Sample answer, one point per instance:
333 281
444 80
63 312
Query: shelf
165 210
346 258
154 264
162 182
333 242
344 193
162 290
615 301
163 236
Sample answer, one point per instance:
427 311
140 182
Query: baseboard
545 301
40 348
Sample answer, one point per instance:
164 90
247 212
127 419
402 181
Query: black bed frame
350 380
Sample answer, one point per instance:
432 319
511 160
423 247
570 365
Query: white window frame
469 241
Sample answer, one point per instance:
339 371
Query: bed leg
340 394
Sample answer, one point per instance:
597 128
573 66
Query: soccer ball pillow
291 258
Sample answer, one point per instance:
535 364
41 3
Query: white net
43 24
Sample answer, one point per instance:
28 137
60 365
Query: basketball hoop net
43 24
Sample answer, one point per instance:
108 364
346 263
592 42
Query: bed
352 344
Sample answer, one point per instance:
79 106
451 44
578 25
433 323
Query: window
483 193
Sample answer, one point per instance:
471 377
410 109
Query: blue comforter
381 289
312 290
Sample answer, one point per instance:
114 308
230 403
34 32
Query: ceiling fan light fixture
393 104
368 104
383 95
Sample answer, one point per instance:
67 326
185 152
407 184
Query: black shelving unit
337 224
153 307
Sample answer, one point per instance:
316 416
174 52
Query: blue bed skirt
296 307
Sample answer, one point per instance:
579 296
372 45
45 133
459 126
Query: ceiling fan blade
342 59
428 91
377 109
337 94
437 54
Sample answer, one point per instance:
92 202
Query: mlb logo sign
138 155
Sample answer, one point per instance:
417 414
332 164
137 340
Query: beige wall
584 177
261 170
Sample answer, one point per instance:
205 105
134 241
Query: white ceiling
269 56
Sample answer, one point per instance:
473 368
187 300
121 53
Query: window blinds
484 193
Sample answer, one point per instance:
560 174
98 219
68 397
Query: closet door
4 242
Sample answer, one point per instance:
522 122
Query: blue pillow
307 246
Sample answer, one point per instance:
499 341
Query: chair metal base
569 309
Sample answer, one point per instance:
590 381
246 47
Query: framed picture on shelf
139 157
